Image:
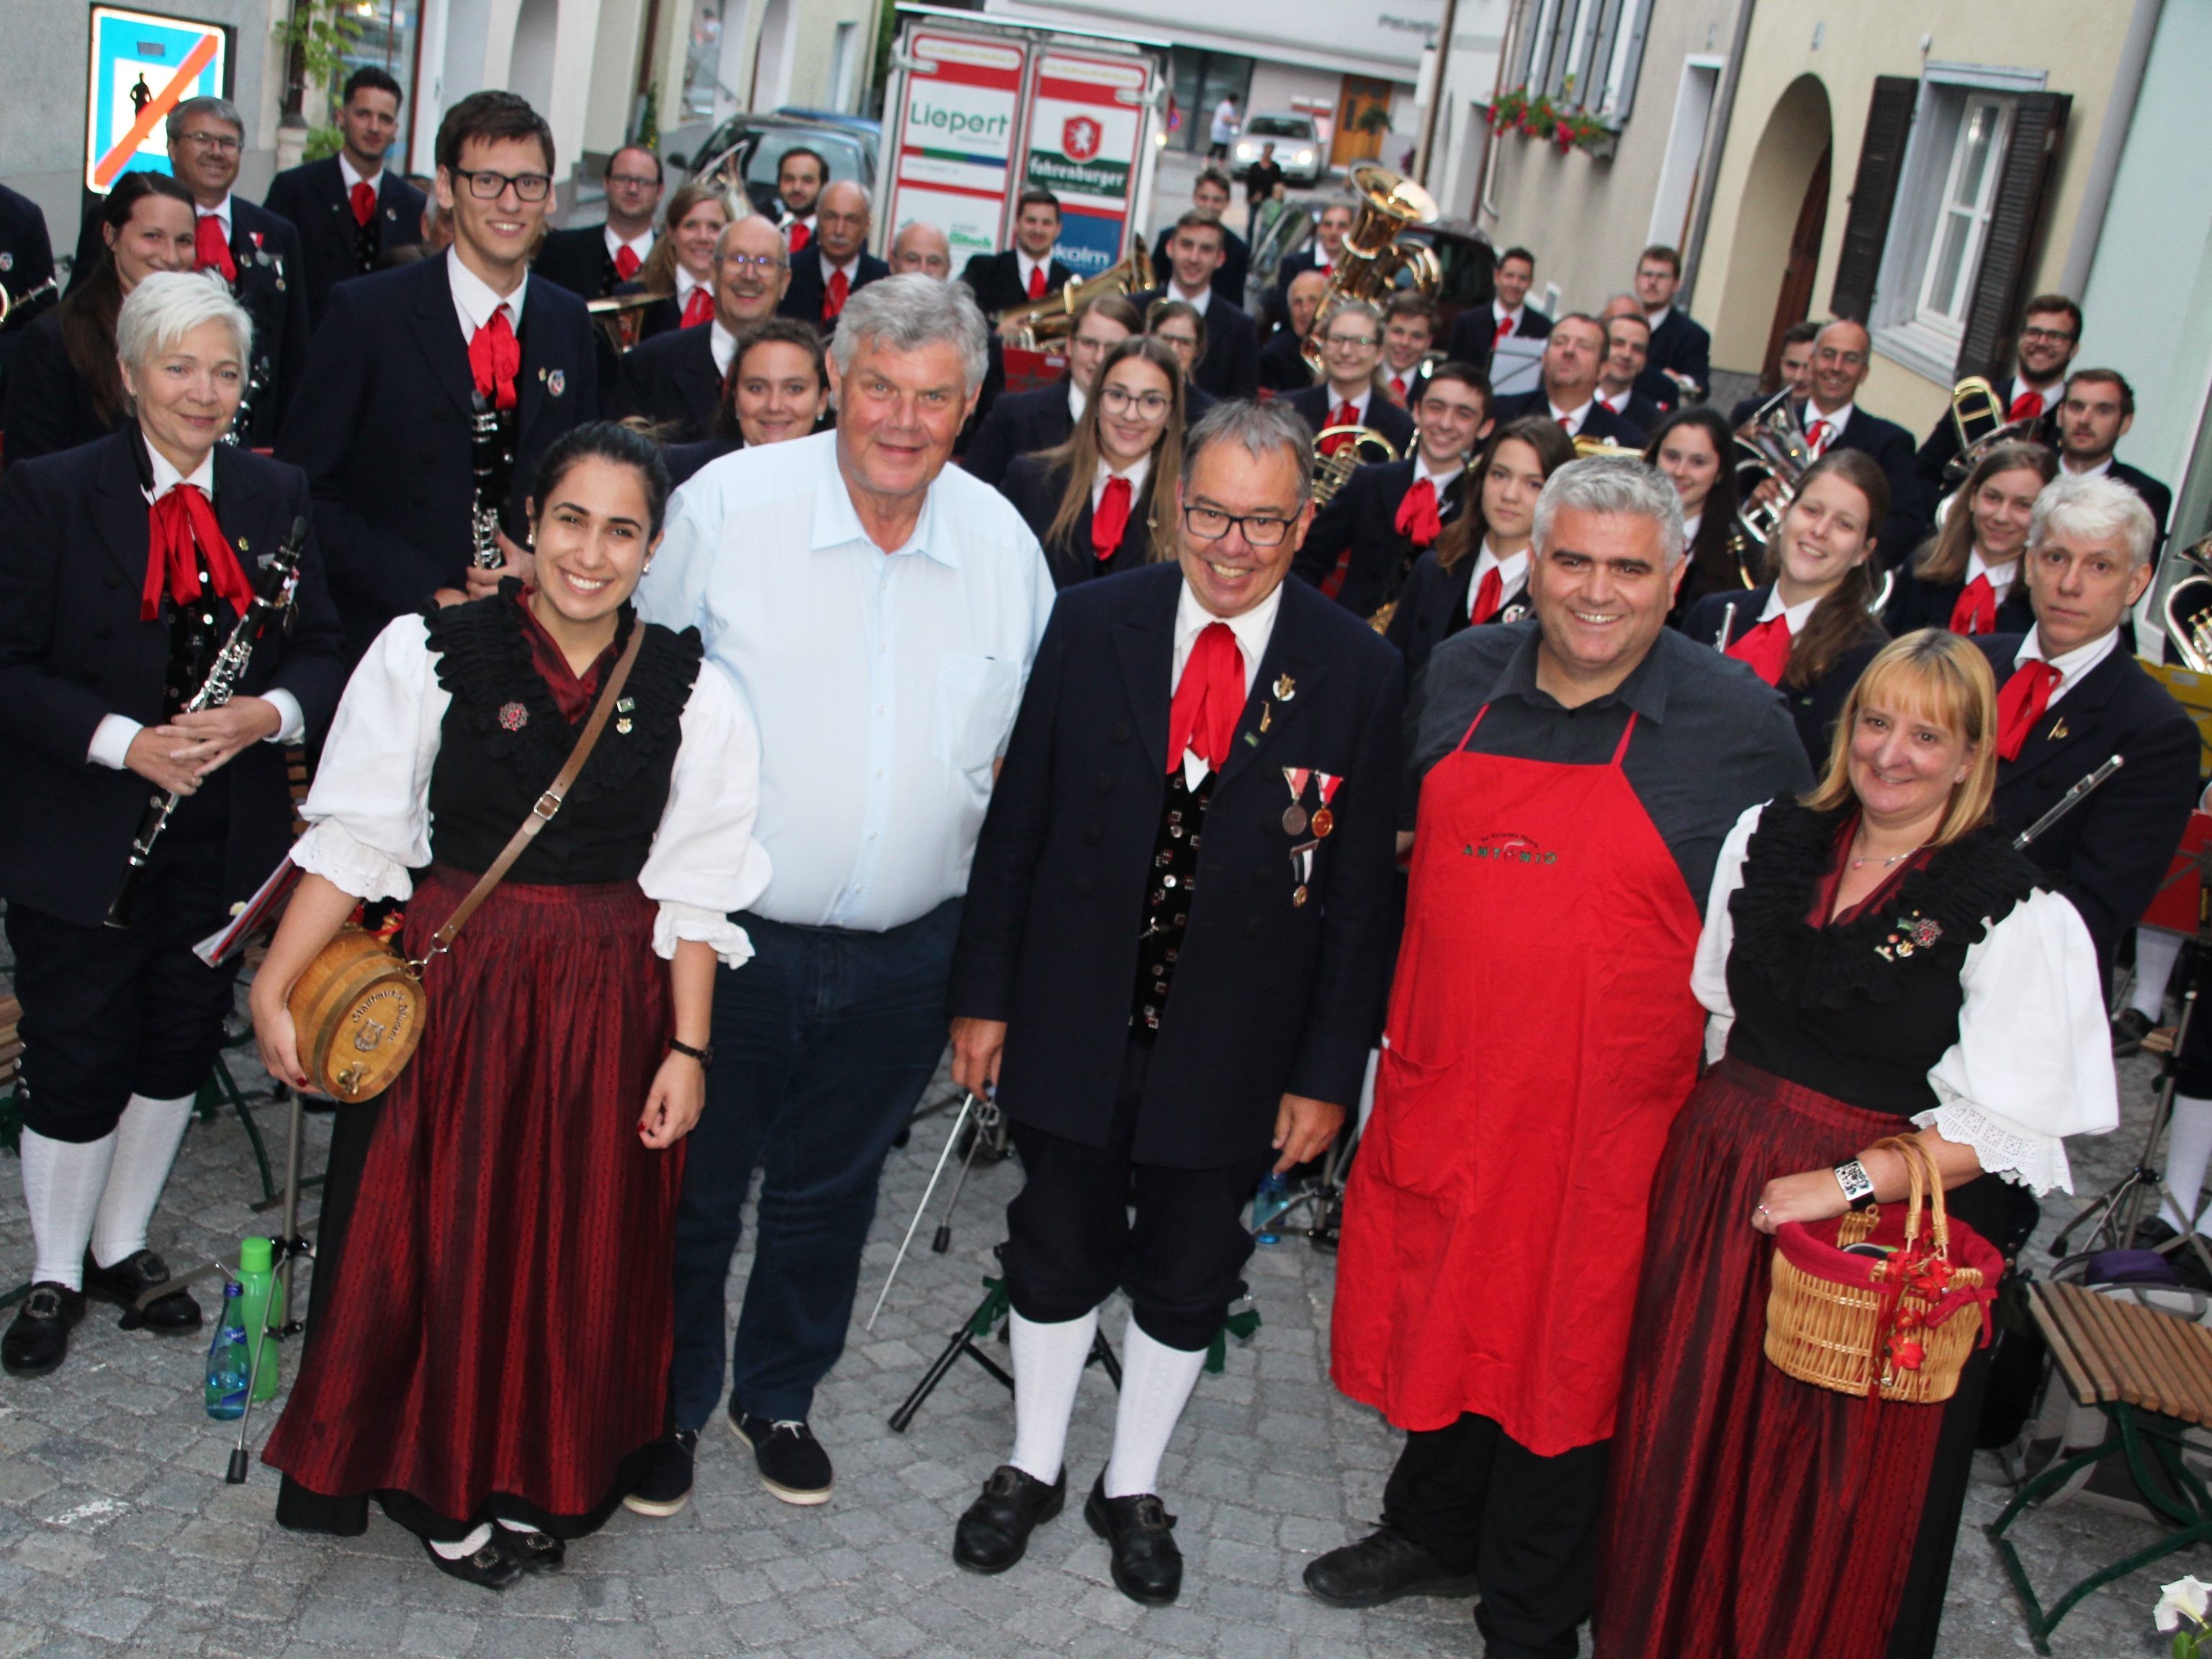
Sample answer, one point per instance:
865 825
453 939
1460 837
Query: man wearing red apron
1577 774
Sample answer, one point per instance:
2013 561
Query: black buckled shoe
994 1531
38 1340
792 1462
534 1551
1147 1565
492 1567
666 1487
1382 1567
122 1286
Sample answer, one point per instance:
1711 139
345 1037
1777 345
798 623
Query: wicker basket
1901 1325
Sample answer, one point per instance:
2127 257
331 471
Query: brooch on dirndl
1910 933
512 716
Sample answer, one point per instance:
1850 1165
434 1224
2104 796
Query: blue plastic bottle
1269 1202
227 1355
263 1296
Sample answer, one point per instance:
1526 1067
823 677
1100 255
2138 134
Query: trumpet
622 316
16 301
1374 258
1330 471
2186 611
1979 418
1052 319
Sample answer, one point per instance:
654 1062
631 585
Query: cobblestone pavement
117 1532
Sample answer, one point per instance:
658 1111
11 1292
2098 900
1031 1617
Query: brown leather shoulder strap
549 803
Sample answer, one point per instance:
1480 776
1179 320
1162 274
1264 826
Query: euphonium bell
2187 610
622 317
1374 258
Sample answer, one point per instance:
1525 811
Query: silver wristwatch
1854 1180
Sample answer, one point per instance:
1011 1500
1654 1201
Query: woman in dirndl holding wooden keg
1878 962
490 1358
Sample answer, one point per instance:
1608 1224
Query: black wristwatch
705 1056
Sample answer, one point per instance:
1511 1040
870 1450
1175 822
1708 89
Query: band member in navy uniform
1023 422
2071 695
350 209
405 359
1476 332
834 263
593 261
1627 350
1349 395
1967 577
1029 270
778 389
1478 571
1388 514
1808 632
675 378
63 387
26 269
1680 360
1134 1031
124 565
2094 415
1230 368
1211 194
1831 418
1568 393
1099 503
2050 335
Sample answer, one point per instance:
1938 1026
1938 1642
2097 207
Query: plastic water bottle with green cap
263 1296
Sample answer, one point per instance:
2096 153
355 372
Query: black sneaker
666 1487
1382 1567
2129 1028
122 1286
793 1465
38 1340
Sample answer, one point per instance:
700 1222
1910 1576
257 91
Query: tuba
1330 471
1051 320
1772 444
2186 609
1374 258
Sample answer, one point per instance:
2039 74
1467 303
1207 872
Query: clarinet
241 423
272 599
2072 799
491 461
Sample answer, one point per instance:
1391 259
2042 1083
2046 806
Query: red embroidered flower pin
514 716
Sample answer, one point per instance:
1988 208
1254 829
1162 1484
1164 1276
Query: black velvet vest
1167 900
1859 1011
503 741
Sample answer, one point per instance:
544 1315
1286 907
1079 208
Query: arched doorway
530 71
1779 221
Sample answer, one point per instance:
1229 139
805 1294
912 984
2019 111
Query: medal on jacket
1323 819
1302 857
1294 815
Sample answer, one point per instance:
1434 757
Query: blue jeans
822 1045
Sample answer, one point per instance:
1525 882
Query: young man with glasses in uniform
407 358
2050 335
593 261
350 209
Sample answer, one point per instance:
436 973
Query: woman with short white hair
124 565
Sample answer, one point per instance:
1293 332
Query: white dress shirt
220 210
1512 576
851 268
1498 314
474 301
1136 472
1196 301
1690 523
883 685
2067 466
686 286
1078 399
2001 575
1572 419
1252 629
1443 481
640 244
111 738
2071 665
1359 406
1656 318
1798 614
2033 1062
1837 422
724 346
368 812
1028 267
1617 401
352 176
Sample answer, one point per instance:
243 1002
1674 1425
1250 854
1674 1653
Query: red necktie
494 359
1398 388
1975 611
800 235
2022 703
1567 424
1343 415
1209 700
626 262
2026 407
699 308
1504 328
834 296
1489 597
1765 649
1110 518
1417 520
211 248
363 197
1817 437
174 524
1036 282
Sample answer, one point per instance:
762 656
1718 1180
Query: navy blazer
2156 495
671 380
1283 366
1020 423
2109 854
26 260
995 279
1362 520
385 439
1271 996
1228 282
1912 505
313 197
49 406
1315 402
1433 606
577 259
1815 708
1641 413
803 299
1035 489
1681 343
1600 422
73 650
1916 604
1230 368
1475 331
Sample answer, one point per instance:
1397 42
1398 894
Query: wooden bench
2151 1373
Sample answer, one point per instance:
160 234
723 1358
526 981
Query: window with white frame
1584 54
1962 218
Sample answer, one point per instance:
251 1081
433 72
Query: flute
2066 802
1727 622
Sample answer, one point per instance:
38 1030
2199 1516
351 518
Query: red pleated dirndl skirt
497 1338
1752 1516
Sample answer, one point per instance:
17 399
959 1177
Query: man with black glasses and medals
439 385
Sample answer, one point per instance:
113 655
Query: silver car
1298 147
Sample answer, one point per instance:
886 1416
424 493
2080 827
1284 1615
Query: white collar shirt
851 268
1798 614
883 684
1136 473
1195 301
1337 400
220 210
1078 399
686 286
1443 480
1512 575
1837 420
640 244
1571 419
791 223
474 301
2001 575
1252 629
1617 401
1690 524
2071 665
1029 268
723 344
353 175
2097 472
167 477
1656 318
1499 315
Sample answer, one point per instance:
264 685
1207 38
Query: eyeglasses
2048 336
1360 342
1152 405
1210 524
763 264
488 186
635 181
221 143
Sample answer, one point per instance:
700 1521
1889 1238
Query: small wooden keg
356 1016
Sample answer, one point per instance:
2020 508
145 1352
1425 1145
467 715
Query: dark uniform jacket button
1252 928
1085 887
1261 873
1092 835
1105 782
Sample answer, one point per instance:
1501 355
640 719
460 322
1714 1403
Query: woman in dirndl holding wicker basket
489 1353
1876 956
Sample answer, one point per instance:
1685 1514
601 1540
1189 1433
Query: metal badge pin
1286 688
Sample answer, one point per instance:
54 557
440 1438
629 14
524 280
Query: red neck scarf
211 248
834 296
1766 649
1209 699
494 359
1975 611
2026 407
1418 520
1036 282
626 262
2022 703
177 523
362 196
800 235
1109 519
699 308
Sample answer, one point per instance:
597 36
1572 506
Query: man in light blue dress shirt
879 612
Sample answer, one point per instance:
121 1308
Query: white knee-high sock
1156 1384
145 1146
462 1548
1048 1368
62 1183
2188 1150
2156 951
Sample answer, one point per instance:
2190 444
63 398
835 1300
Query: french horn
1331 471
1032 326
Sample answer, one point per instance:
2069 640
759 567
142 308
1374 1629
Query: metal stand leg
990 1313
